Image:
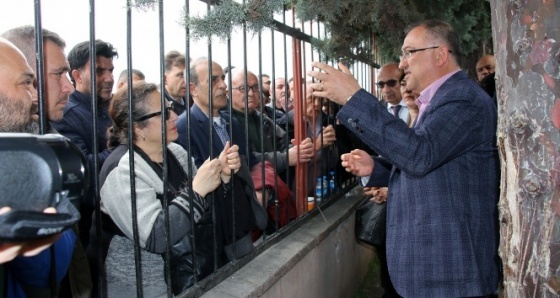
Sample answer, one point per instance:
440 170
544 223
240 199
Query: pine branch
230 15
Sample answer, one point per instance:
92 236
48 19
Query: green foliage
145 4
349 36
351 22
222 19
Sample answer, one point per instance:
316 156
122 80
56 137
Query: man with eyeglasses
388 82
274 140
442 217
284 158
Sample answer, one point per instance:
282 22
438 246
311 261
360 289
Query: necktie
396 110
221 131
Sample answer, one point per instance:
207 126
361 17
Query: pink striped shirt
423 101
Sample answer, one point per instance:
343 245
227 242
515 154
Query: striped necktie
396 110
221 131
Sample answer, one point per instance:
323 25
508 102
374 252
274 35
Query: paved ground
371 286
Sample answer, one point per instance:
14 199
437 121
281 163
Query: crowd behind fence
257 200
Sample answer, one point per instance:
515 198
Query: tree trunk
525 37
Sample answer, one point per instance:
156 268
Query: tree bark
525 37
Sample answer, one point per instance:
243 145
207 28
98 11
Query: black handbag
371 222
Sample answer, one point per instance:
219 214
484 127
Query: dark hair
118 111
174 58
23 38
402 77
79 55
444 32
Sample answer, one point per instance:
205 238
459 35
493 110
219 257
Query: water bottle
325 186
332 184
319 190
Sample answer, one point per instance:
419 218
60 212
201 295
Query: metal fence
283 49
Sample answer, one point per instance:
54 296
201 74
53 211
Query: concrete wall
320 259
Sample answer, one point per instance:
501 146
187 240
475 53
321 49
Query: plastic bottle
310 203
325 186
319 190
332 183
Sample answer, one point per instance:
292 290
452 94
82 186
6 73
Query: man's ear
77 76
192 88
442 55
165 80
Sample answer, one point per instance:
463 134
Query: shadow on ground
371 285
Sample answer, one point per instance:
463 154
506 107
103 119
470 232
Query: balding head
56 68
485 66
388 82
18 97
200 83
239 92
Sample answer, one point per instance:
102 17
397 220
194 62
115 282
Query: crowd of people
220 169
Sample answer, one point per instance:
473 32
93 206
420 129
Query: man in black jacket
76 124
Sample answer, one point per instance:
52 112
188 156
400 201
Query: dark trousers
384 277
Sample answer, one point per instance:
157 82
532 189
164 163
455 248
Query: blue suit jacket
442 233
200 151
200 135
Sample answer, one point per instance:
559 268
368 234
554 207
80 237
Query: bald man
27 262
485 66
18 97
205 111
57 81
283 158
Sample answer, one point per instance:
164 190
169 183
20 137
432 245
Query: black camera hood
37 172
18 225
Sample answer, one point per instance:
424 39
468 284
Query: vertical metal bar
287 93
190 165
136 238
95 143
230 132
273 89
211 141
299 127
165 177
40 69
308 123
261 127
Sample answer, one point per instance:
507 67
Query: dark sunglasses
389 83
166 114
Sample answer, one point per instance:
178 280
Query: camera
39 172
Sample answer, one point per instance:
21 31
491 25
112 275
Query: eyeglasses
406 54
389 83
255 88
166 114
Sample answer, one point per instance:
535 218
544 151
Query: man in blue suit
442 233
204 140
